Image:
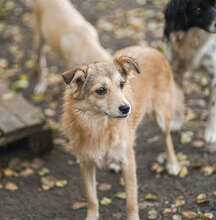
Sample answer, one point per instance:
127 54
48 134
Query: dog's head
185 14
99 87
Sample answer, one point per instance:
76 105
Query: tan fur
66 31
96 136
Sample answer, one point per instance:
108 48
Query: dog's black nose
124 109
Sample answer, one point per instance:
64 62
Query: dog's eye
198 10
121 85
101 91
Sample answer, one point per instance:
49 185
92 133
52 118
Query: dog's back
67 32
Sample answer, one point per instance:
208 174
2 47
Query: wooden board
19 119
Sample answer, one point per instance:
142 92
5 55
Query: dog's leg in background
178 113
210 132
89 175
129 173
163 115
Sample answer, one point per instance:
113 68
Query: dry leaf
189 214
121 181
11 186
206 216
7 96
1 186
44 171
208 170
105 201
47 182
177 217
150 196
37 163
79 205
201 198
183 172
186 137
61 183
121 195
27 172
8 172
179 202
152 214
104 186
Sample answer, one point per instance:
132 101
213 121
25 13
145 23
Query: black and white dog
190 43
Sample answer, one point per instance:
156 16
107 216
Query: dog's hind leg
43 72
178 113
89 175
210 131
129 173
163 115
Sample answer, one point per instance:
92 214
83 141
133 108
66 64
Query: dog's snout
124 109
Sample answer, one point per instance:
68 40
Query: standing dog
98 96
189 42
67 32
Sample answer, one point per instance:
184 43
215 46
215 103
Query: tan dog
67 32
100 94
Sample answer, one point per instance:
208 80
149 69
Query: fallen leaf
104 186
26 172
105 201
201 198
121 195
157 167
47 182
150 196
189 214
1 186
8 172
152 214
186 137
121 181
49 112
183 172
177 217
179 202
79 205
207 171
44 171
11 186
61 183
198 144
37 163
206 216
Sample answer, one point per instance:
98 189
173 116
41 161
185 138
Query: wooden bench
21 120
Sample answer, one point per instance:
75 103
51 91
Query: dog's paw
173 169
176 124
134 216
211 147
210 133
40 88
115 168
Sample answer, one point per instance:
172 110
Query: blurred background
48 185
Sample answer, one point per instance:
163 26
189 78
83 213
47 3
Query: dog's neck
186 43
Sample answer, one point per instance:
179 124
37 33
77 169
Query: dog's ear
126 64
176 17
75 78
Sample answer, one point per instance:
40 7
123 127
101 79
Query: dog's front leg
89 176
129 172
210 132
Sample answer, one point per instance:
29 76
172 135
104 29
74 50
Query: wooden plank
18 106
8 122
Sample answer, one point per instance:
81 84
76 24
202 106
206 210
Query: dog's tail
178 111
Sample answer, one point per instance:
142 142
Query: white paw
176 123
210 133
40 88
115 167
173 169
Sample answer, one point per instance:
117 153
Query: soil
30 202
